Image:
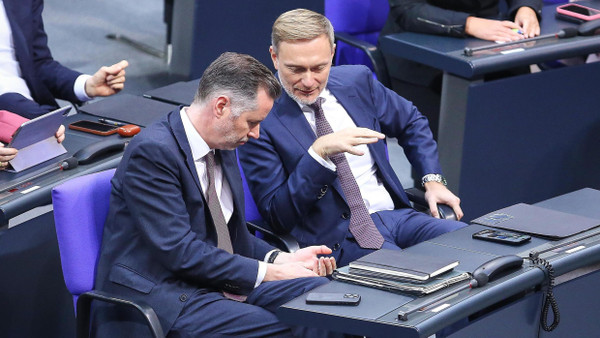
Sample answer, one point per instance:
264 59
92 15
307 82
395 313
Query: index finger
366 132
433 208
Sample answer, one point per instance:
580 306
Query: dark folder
538 221
401 265
176 93
129 108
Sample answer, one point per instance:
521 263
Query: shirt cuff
262 271
327 163
79 87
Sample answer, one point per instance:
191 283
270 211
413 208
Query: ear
333 51
222 106
274 58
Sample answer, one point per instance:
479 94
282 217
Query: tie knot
316 106
210 160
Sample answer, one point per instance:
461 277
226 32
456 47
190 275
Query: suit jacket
443 17
297 194
46 78
160 243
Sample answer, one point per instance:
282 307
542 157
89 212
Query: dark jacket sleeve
56 77
422 17
447 17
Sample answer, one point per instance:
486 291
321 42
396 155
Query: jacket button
336 246
183 297
345 215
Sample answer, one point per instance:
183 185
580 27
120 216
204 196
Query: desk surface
179 93
378 311
446 53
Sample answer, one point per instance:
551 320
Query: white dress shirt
10 72
374 194
199 150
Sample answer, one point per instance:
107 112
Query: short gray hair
238 76
300 24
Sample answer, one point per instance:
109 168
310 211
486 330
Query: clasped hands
302 263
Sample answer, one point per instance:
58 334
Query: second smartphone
94 127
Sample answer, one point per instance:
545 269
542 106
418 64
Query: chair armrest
283 241
374 54
417 196
84 303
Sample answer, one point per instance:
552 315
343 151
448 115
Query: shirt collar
197 144
325 95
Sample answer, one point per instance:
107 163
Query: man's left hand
435 193
107 80
322 266
527 19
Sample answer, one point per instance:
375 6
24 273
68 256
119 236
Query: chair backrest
252 214
363 19
80 210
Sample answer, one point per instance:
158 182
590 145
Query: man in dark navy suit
30 79
353 203
175 237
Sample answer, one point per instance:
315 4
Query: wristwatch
273 255
433 178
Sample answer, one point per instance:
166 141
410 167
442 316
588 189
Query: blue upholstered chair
80 210
357 24
259 227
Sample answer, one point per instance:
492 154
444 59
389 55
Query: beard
290 91
231 139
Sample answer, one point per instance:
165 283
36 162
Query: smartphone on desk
94 127
504 237
332 298
577 12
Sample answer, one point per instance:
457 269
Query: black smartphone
324 298
501 237
94 127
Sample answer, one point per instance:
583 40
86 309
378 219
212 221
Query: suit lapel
179 134
360 113
292 118
349 99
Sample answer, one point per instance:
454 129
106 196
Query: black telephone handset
91 152
589 28
494 268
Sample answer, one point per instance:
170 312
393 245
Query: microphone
69 163
565 33
66 164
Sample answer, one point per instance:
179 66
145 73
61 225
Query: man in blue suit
176 238
30 79
294 176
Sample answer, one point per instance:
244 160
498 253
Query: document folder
537 221
434 284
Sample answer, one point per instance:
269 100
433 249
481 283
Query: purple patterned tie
214 206
361 224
